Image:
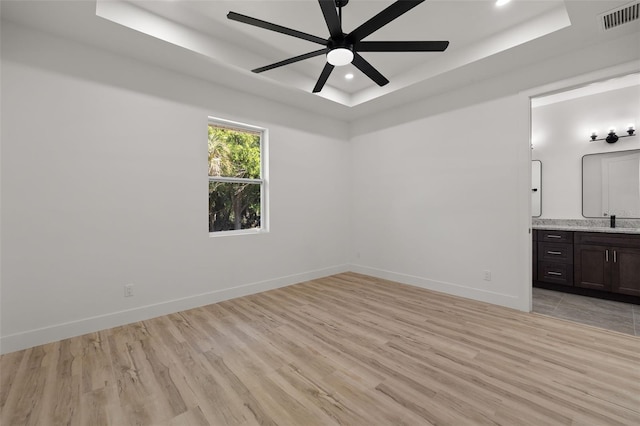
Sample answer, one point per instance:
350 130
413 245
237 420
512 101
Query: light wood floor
348 349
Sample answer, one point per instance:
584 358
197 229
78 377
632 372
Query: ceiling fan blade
290 60
331 17
275 27
364 66
401 46
326 71
381 19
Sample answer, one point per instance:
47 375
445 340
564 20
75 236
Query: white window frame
263 181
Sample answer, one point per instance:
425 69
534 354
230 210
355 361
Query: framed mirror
536 188
611 184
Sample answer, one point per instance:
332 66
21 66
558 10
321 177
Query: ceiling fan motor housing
339 43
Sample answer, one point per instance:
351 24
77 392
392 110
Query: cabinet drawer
557 273
608 239
555 252
555 236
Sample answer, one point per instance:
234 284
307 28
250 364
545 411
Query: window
236 177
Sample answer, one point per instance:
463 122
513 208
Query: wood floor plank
102 407
342 350
25 401
11 364
193 417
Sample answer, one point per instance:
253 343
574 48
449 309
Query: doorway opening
562 123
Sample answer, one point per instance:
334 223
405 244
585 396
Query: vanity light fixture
611 136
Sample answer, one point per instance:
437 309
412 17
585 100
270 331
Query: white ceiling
432 20
476 29
195 38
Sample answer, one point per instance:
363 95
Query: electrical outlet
487 275
128 290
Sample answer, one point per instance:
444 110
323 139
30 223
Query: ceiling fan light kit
340 56
341 48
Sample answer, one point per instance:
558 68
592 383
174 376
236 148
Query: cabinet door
626 271
592 266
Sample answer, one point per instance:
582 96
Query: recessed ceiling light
348 76
502 2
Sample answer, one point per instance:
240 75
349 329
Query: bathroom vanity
592 256
598 262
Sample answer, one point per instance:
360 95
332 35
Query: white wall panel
440 200
105 185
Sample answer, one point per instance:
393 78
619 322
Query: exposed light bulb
612 129
631 129
340 56
502 2
594 133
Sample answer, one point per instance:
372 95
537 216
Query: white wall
439 200
104 183
560 136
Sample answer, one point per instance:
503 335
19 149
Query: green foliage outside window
234 154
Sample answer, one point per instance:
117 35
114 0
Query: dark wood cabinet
555 236
555 257
555 252
534 255
594 263
625 276
555 273
592 267
609 262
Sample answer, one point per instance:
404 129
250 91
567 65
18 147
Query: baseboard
506 300
53 333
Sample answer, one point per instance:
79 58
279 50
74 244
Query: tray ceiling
196 39
476 30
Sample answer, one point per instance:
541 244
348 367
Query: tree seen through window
235 178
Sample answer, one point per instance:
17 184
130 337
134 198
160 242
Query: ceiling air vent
621 15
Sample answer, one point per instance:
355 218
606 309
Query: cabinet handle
606 256
554 252
553 236
554 273
615 260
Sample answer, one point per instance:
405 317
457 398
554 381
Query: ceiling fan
342 49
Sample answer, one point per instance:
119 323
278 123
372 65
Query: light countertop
587 229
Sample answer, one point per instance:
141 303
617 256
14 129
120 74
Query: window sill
254 231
